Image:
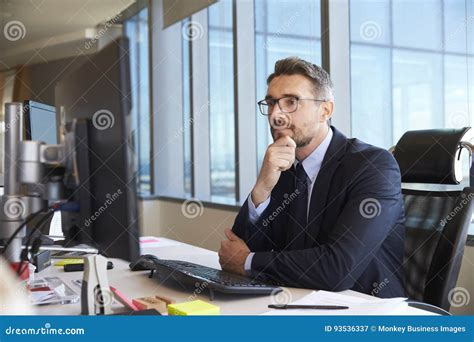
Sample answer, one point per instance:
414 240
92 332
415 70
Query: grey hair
318 76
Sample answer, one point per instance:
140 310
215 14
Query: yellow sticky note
63 262
195 307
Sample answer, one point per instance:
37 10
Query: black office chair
437 222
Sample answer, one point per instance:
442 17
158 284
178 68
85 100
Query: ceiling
36 30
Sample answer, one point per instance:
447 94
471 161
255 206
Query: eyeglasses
287 104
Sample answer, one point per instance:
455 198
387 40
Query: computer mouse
143 263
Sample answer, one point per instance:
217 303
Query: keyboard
204 277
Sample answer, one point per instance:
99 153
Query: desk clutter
134 294
51 290
97 296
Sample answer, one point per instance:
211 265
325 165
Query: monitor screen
40 122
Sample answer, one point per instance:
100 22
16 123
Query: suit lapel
321 186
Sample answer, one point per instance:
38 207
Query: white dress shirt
311 165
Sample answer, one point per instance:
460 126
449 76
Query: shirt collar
312 163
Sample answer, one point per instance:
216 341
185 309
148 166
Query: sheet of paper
152 241
55 228
357 306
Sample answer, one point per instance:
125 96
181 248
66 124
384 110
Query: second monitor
94 100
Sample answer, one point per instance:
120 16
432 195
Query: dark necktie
298 209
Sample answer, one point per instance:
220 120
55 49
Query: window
412 67
136 30
409 67
214 137
282 29
221 103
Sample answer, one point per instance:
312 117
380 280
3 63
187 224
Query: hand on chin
277 134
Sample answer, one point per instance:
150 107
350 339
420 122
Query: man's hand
233 253
279 157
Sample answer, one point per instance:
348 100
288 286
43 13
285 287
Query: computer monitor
40 122
96 96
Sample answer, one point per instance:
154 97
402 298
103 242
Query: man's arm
249 225
253 230
256 211
353 241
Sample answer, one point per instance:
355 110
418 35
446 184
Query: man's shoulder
359 154
369 168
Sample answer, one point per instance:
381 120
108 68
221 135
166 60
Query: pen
317 307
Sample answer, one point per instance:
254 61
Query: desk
137 284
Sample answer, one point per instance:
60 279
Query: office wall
44 76
165 218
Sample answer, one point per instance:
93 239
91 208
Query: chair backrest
436 230
437 222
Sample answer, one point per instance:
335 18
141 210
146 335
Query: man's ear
327 109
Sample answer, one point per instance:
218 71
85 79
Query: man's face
307 121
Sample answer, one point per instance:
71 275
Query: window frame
130 12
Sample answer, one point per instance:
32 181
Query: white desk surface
137 284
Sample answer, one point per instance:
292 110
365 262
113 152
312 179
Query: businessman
326 212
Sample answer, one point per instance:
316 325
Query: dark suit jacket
355 233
